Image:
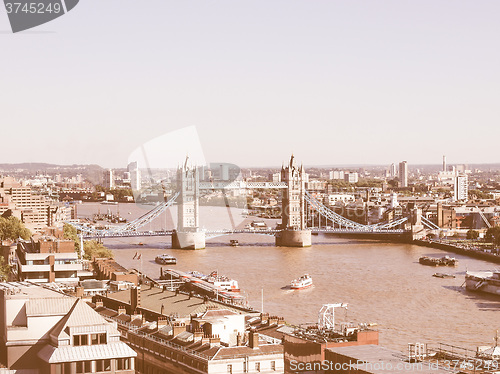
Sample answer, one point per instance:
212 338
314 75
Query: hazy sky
335 82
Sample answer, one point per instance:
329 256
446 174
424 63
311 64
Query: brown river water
383 283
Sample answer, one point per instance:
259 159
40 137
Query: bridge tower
188 235
293 217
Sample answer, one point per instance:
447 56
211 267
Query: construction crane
326 317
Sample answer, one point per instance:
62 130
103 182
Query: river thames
383 283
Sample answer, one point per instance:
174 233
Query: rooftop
375 359
179 304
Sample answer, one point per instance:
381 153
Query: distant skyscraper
108 179
135 176
393 172
403 174
461 190
444 163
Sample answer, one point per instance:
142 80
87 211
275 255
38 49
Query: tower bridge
293 231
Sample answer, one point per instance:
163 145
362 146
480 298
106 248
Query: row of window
246 364
96 366
92 339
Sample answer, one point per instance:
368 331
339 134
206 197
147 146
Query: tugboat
443 261
302 282
165 259
234 243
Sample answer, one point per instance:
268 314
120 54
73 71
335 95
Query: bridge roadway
222 185
131 234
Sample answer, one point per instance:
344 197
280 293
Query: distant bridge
297 204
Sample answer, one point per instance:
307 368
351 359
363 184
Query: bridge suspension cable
132 225
429 224
347 223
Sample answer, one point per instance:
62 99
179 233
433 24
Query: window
102 365
87 366
229 368
107 365
257 366
67 368
98 339
80 340
123 364
79 367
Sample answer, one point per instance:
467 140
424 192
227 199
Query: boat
106 202
443 261
257 225
483 281
234 243
165 259
219 281
302 282
443 275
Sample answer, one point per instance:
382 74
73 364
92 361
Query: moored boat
303 282
483 281
443 261
165 259
222 282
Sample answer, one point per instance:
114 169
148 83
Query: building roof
81 318
28 290
181 304
375 359
232 352
49 306
67 353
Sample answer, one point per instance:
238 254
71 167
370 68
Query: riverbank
462 250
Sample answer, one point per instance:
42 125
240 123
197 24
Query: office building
135 176
47 260
351 177
109 181
403 174
461 187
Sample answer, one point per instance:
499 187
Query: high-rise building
109 179
444 163
393 171
336 174
135 176
403 174
461 190
351 177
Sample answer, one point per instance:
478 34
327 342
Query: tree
493 235
12 228
69 232
4 270
472 234
478 194
92 248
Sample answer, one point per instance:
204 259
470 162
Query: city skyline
332 82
